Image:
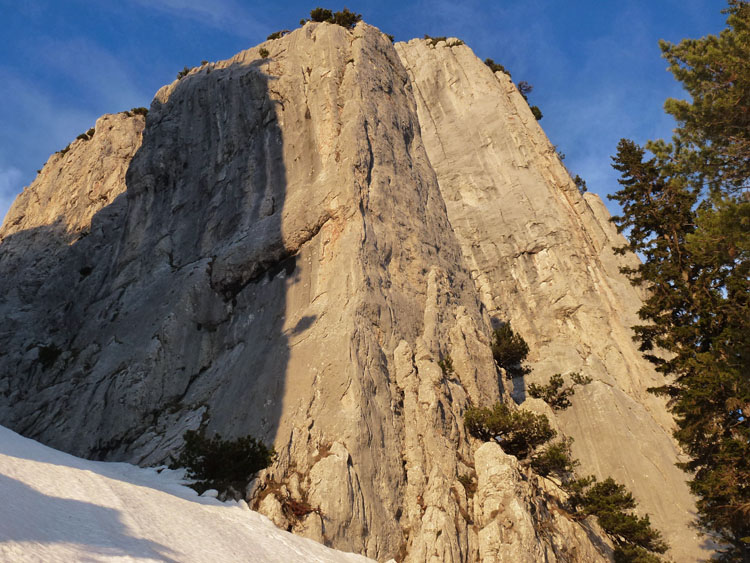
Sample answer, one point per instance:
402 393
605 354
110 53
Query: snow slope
56 507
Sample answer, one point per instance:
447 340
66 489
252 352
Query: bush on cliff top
344 18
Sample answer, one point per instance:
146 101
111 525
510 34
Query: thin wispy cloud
36 124
10 179
109 82
227 15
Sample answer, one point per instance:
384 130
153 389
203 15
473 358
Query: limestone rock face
515 526
273 255
540 255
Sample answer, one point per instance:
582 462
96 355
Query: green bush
87 135
277 34
554 394
555 458
183 72
611 503
321 15
525 89
224 465
139 111
263 52
494 67
518 432
446 364
432 41
509 350
344 18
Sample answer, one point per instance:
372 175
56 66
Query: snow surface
56 507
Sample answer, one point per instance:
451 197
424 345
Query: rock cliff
285 250
540 254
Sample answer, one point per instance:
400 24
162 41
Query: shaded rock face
540 255
272 255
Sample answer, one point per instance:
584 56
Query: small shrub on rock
87 135
184 72
495 67
612 503
432 41
554 393
510 350
321 15
446 364
555 459
263 52
536 112
519 432
224 465
277 34
344 18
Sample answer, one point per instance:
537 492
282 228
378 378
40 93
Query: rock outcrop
280 259
540 254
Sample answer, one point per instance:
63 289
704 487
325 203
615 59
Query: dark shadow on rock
43 519
304 323
518 391
170 313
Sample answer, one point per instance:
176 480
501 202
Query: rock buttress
540 255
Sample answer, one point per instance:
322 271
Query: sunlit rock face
540 254
281 249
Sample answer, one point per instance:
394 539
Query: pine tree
686 210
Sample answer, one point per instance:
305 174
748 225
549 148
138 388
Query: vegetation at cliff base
686 211
224 465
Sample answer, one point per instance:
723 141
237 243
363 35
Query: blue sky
595 64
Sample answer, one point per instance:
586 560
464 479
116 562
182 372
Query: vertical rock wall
541 256
273 256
